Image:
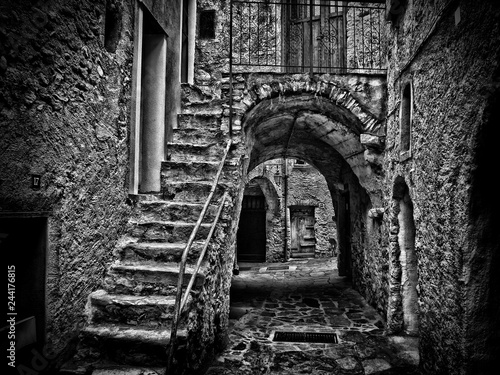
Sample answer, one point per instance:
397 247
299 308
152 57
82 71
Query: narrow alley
307 296
340 154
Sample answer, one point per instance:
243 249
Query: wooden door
251 236
303 237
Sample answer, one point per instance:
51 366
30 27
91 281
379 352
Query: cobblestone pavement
307 296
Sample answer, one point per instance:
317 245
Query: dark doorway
251 237
483 283
23 243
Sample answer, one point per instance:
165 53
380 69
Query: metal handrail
179 301
203 251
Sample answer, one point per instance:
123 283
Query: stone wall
64 113
449 54
209 315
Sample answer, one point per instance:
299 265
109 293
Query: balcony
300 36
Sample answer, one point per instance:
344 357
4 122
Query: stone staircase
129 320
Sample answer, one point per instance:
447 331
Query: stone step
136 198
195 192
163 210
127 370
194 94
146 311
147 278
198 134
205 109
133 346
189 170
198 170
159 251
212 152
201 121
166 231
106 367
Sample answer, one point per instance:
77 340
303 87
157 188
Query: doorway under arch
403 313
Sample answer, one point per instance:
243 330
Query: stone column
153 111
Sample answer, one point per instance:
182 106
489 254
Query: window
207 24
112 25
406 120
395 10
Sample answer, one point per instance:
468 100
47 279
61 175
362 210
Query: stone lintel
374 142
376 213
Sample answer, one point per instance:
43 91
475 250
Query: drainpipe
285 187
285 203
231 69
311 40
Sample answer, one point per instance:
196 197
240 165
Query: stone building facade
65 110
115 115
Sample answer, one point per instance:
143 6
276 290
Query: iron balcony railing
317 36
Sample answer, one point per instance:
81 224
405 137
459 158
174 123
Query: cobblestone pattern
304 298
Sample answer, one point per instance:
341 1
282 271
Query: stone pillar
135 110
173 88
153 111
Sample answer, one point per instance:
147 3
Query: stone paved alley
307 295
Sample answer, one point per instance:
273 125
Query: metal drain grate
276 268
323 337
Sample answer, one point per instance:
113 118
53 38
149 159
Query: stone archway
325 125
403 307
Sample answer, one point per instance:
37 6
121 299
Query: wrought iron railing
180 299
317 36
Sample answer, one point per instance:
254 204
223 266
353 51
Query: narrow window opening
406 109
112 25
395 10
207 24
